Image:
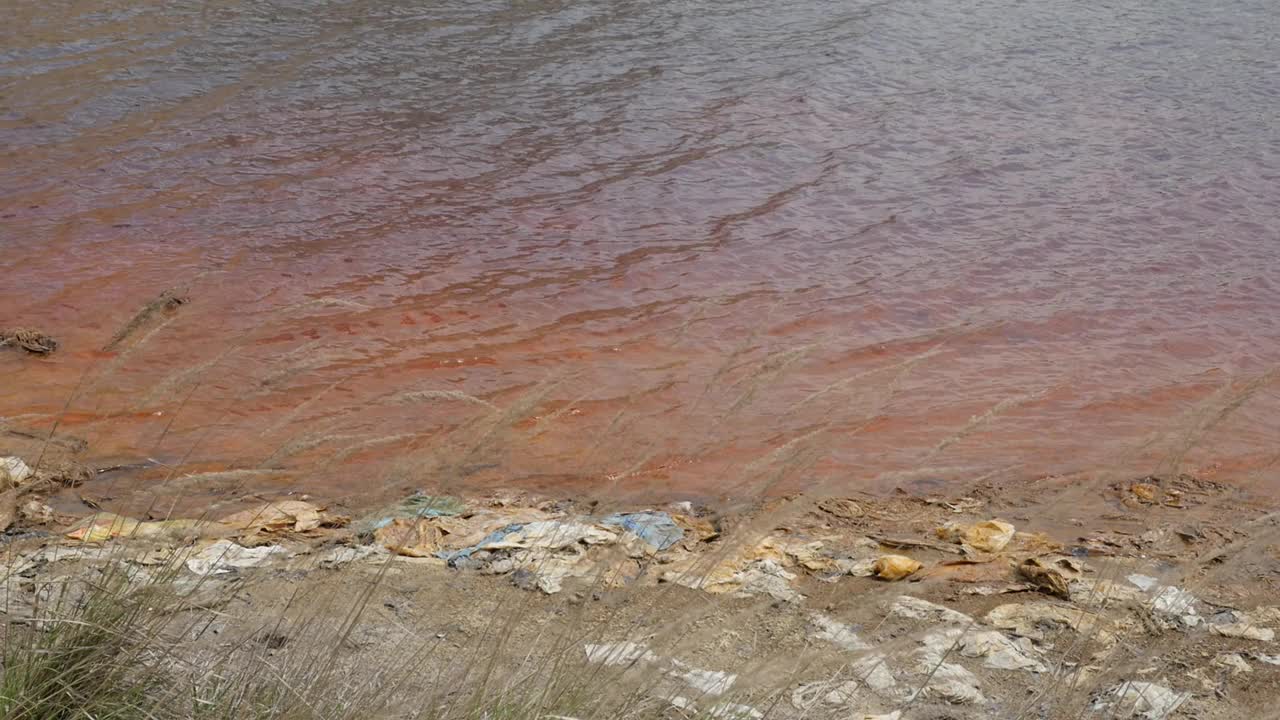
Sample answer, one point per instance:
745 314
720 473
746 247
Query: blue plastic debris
654 527
452 557
418 505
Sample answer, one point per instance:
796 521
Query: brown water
690 248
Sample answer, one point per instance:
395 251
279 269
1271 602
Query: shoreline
969 607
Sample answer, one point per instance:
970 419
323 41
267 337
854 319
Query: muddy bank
906 607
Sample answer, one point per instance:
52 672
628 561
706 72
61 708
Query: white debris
1145 700
1268 659
225 556
344 554
836 633
1145 583
551 535
1041 621
865 567
766 577
623 653
1000 652
1174 601
951 683
1101 592
733 711
1244 630
914 608
13 471
1233 663
873 671
707 682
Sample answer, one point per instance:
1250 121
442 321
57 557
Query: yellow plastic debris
896 567
101 527
295 515
418 537
989 536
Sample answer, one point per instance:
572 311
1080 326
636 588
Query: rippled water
683 247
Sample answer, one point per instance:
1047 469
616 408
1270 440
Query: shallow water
664 247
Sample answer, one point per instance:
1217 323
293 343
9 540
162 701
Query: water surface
687 247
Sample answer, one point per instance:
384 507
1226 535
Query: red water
673 249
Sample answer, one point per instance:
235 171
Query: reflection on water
653 246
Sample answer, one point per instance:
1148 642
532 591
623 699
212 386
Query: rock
999 652
914 608
896 567
14 472
989 536
1149 701
836 633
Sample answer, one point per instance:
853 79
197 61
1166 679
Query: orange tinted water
871 244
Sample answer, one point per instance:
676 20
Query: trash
990 536
101 527
1000 652
1233 663
1145 492
865 567
950 682
836 633
167 301
1174 601
1145 583
734 711
914 608
33 341
842 508
896 567
1264 658
417 505
873 671
912 544
418 537
766 577
1045 577
225 556
1100 592
36 512
1244 631
618 654
706 682
345 554
655 528
546 534
13 471
283 515
1145 700
1041 621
